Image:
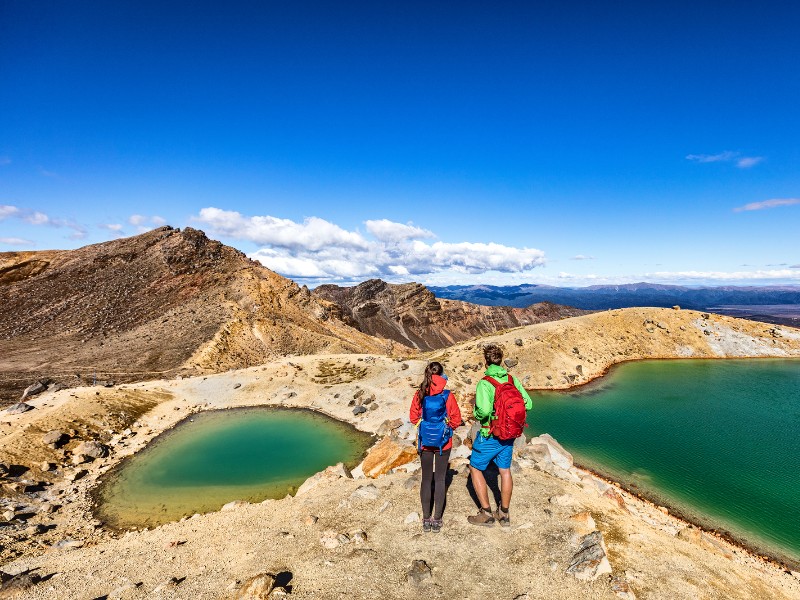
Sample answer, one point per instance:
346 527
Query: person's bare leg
481 489
506 487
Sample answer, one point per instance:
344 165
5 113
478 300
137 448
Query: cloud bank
317 249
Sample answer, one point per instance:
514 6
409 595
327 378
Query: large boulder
15 586
333 473
257 587
387 454
546 454
547 446
91 448
388 426
18 408
54 437
35 388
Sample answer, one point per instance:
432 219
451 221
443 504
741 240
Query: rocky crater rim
338 384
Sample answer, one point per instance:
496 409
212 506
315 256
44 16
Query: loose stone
591 559
55 437
91 448
419 573
411 518
35 388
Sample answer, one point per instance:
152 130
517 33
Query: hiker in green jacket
486 447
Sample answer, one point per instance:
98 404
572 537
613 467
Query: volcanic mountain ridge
410 314
154 305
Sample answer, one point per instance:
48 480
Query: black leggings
434 470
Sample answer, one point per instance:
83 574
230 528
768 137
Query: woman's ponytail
433 368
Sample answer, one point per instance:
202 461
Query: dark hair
492 354
433 368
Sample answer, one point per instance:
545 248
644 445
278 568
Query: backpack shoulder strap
511 380
491 380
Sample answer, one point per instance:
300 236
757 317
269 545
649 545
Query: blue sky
451 142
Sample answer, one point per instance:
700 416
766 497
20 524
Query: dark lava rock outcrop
410 314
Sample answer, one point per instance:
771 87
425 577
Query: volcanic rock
410 314
591 559
54 437
419 573
152 305
387 454
35 388
91 448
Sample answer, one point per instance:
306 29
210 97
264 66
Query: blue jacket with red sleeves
438 384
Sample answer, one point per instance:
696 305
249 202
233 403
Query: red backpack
509 410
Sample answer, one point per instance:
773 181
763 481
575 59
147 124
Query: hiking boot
436 525
426 525
502 518
484 517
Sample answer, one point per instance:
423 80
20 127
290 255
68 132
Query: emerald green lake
218 456
715 439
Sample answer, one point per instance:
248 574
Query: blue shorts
484 450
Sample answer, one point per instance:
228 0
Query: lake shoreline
703 522
782 562
96 493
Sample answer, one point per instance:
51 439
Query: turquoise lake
718 440
215 457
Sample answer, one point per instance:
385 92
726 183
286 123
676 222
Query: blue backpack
434 429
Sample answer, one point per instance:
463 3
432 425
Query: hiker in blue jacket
437 412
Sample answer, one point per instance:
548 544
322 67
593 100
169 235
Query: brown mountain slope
163 302
410 314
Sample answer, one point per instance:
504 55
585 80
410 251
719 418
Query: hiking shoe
426 525
436 525
484 517
502 518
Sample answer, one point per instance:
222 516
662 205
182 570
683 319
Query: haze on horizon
454 143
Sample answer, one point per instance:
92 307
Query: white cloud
318 249
748 161
15 241
115 228
711 158
312 234
389 231
7 211
743 162
35 217
773 203
582 257
144 223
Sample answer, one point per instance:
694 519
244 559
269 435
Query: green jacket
484 396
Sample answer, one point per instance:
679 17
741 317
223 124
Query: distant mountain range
774 304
